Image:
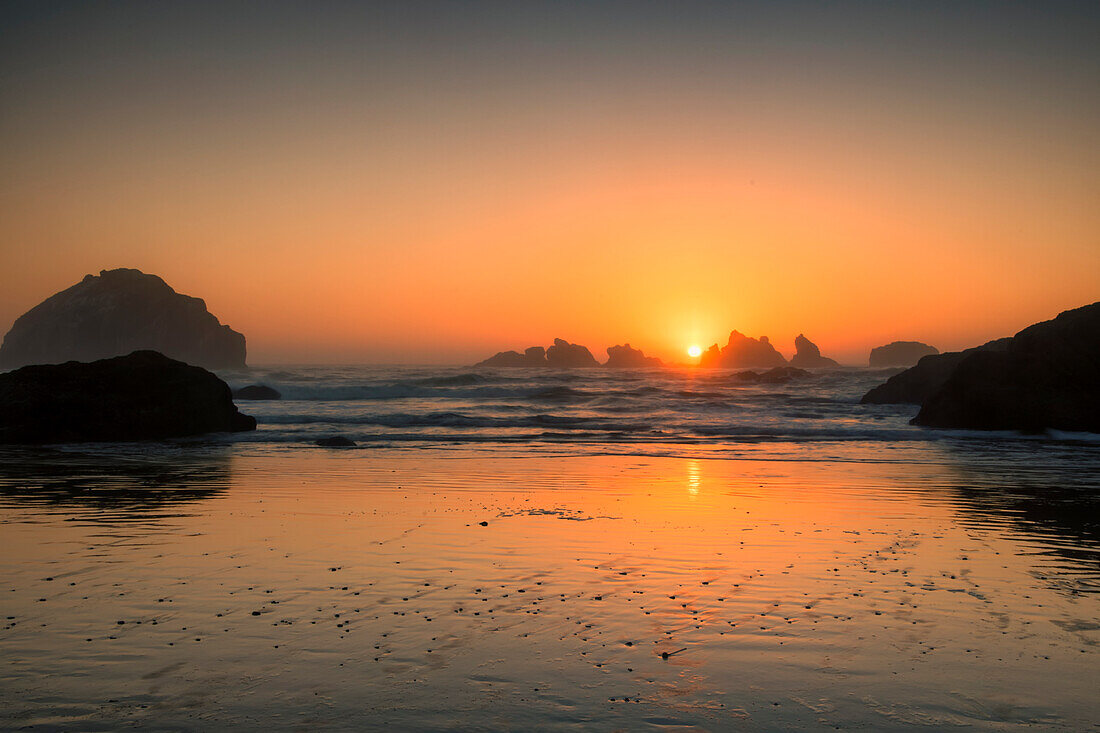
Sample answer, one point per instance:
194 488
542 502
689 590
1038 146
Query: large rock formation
625 357
142 396
561 355
742 351
808 356
1047 376
900 354
564 355
117 312
918 383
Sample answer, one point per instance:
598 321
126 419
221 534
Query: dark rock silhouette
625 357
117 312
742 351
711 357
808 356
1048 376
561 355
142 396
532 357
564 355
916 384
257 392
335 441
900 354
777 375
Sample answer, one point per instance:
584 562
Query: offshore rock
115 313
142 396
564 355
561 355
777 375
532 357
625 357
257 392
900 354
1048 376
808 356
742 351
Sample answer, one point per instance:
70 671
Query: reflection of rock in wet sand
96 481
1041 509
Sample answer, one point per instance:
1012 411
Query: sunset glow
545 365
574 178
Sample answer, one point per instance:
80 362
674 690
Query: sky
413 182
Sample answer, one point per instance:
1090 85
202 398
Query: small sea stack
257 392
627 357
560 355
808 356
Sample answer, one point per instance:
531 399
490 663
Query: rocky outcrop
1047 376
625 357
900 354
117 312
532 357
564 355
561 355
257 392
142 396
918 383
777 375
808 356
742 351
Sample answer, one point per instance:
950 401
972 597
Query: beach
248 585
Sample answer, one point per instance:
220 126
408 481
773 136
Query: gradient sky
433 182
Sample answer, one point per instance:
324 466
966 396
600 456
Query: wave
456 380
393 406
559 394
456 419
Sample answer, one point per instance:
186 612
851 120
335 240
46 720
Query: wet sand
206 588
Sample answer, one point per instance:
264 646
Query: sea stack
564 355
900 354
534 356
808 356
561 355
626 357
115 313
743 351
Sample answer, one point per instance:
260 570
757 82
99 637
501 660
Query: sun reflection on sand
694 477
427 585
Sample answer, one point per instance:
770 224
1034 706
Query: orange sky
439 189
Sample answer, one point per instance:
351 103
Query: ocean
661 549
673 412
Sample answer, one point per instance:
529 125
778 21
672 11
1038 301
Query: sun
695 351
